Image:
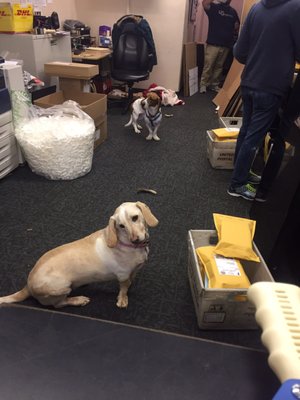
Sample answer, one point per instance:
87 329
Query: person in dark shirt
269 46
223 24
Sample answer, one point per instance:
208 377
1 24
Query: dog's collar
133 245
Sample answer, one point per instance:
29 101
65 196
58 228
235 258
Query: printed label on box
227 266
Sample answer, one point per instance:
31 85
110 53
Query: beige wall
66 9
167 19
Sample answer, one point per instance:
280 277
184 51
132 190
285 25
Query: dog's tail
129 122
16 297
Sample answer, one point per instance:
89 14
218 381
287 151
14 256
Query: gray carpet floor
38 214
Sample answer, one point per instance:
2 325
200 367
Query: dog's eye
135 218
122 226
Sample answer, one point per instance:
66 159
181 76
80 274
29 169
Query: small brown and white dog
115 252
148 108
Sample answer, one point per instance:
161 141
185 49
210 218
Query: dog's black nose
136 241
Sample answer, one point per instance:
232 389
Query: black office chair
133 52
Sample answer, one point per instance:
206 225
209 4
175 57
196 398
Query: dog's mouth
145 242
141 243
136 243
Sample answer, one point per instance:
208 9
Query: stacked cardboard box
72 77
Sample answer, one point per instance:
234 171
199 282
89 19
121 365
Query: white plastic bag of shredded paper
58 142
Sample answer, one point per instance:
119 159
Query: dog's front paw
122 302
155 137
137 131
149 137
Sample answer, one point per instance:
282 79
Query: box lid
71 70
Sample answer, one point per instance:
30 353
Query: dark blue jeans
259 111
279 131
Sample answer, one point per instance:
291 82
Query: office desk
97 56
92 55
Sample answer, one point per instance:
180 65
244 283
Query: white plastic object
278 314
58 142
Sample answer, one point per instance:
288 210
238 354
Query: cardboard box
222 308
288 153
94 104
230 87
246 8
71 84
101 133
189 61
220 154
16 18
71 70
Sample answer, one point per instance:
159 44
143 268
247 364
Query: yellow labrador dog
115 252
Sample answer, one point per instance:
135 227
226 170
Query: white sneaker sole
239 195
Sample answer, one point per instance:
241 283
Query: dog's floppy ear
111 237
149 217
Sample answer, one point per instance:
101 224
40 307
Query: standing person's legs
278 133
247 115
211 53
264 109
276 147
218 66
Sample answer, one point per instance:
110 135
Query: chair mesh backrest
131 51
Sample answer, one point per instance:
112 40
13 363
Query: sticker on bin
212 317
227 266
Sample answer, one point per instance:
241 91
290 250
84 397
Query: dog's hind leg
73 301
137 128
61 300
48 295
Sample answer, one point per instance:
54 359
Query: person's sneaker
247 192
260 196
253 178
202 89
